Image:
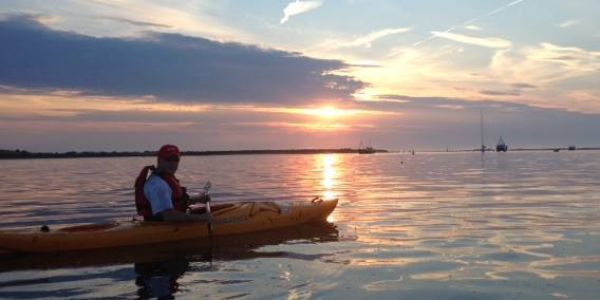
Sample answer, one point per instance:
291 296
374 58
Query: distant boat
556 150
571 148
483 148
365 150
501 146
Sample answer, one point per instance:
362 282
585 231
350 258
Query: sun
329 112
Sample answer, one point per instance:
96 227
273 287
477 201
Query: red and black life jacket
179 196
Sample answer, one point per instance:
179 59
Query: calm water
428 226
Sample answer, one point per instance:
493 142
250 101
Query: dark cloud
523 86
564 57
170 67
135 23
444 103
499 93
514 89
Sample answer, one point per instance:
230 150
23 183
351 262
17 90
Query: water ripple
446 225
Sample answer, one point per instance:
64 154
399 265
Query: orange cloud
308 126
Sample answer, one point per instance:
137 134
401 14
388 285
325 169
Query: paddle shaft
209 213
207 187
209 224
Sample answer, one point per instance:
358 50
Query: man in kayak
161 197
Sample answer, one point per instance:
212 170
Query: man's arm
158 193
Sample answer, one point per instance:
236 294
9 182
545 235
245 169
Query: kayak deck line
88 227
227 219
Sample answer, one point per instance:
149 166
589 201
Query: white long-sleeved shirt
159 194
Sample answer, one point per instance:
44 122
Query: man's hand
203 198
200 198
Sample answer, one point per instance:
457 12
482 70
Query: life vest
179 196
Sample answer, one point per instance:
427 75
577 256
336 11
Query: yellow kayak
228 219
220 248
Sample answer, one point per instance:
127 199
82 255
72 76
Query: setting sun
329 112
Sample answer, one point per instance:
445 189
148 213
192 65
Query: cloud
315 127
444 103
298 7
568 23
489 42
514 3
471 21
197 18
122 18
127 125
415 123
473 27
523 86
499 93
521 125
134 22
545 63
169 67
333 46
368 39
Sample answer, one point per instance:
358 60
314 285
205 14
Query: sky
129 75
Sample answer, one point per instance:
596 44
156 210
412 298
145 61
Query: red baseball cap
168 151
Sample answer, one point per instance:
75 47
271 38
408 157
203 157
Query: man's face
169 164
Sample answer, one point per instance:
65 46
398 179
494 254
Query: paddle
206 189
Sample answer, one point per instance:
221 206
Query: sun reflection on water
328 164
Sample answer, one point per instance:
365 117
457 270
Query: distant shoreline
557 149
23 154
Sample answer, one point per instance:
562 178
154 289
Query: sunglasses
172 158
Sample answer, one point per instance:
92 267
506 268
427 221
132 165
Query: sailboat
365 150
501 146
482 143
